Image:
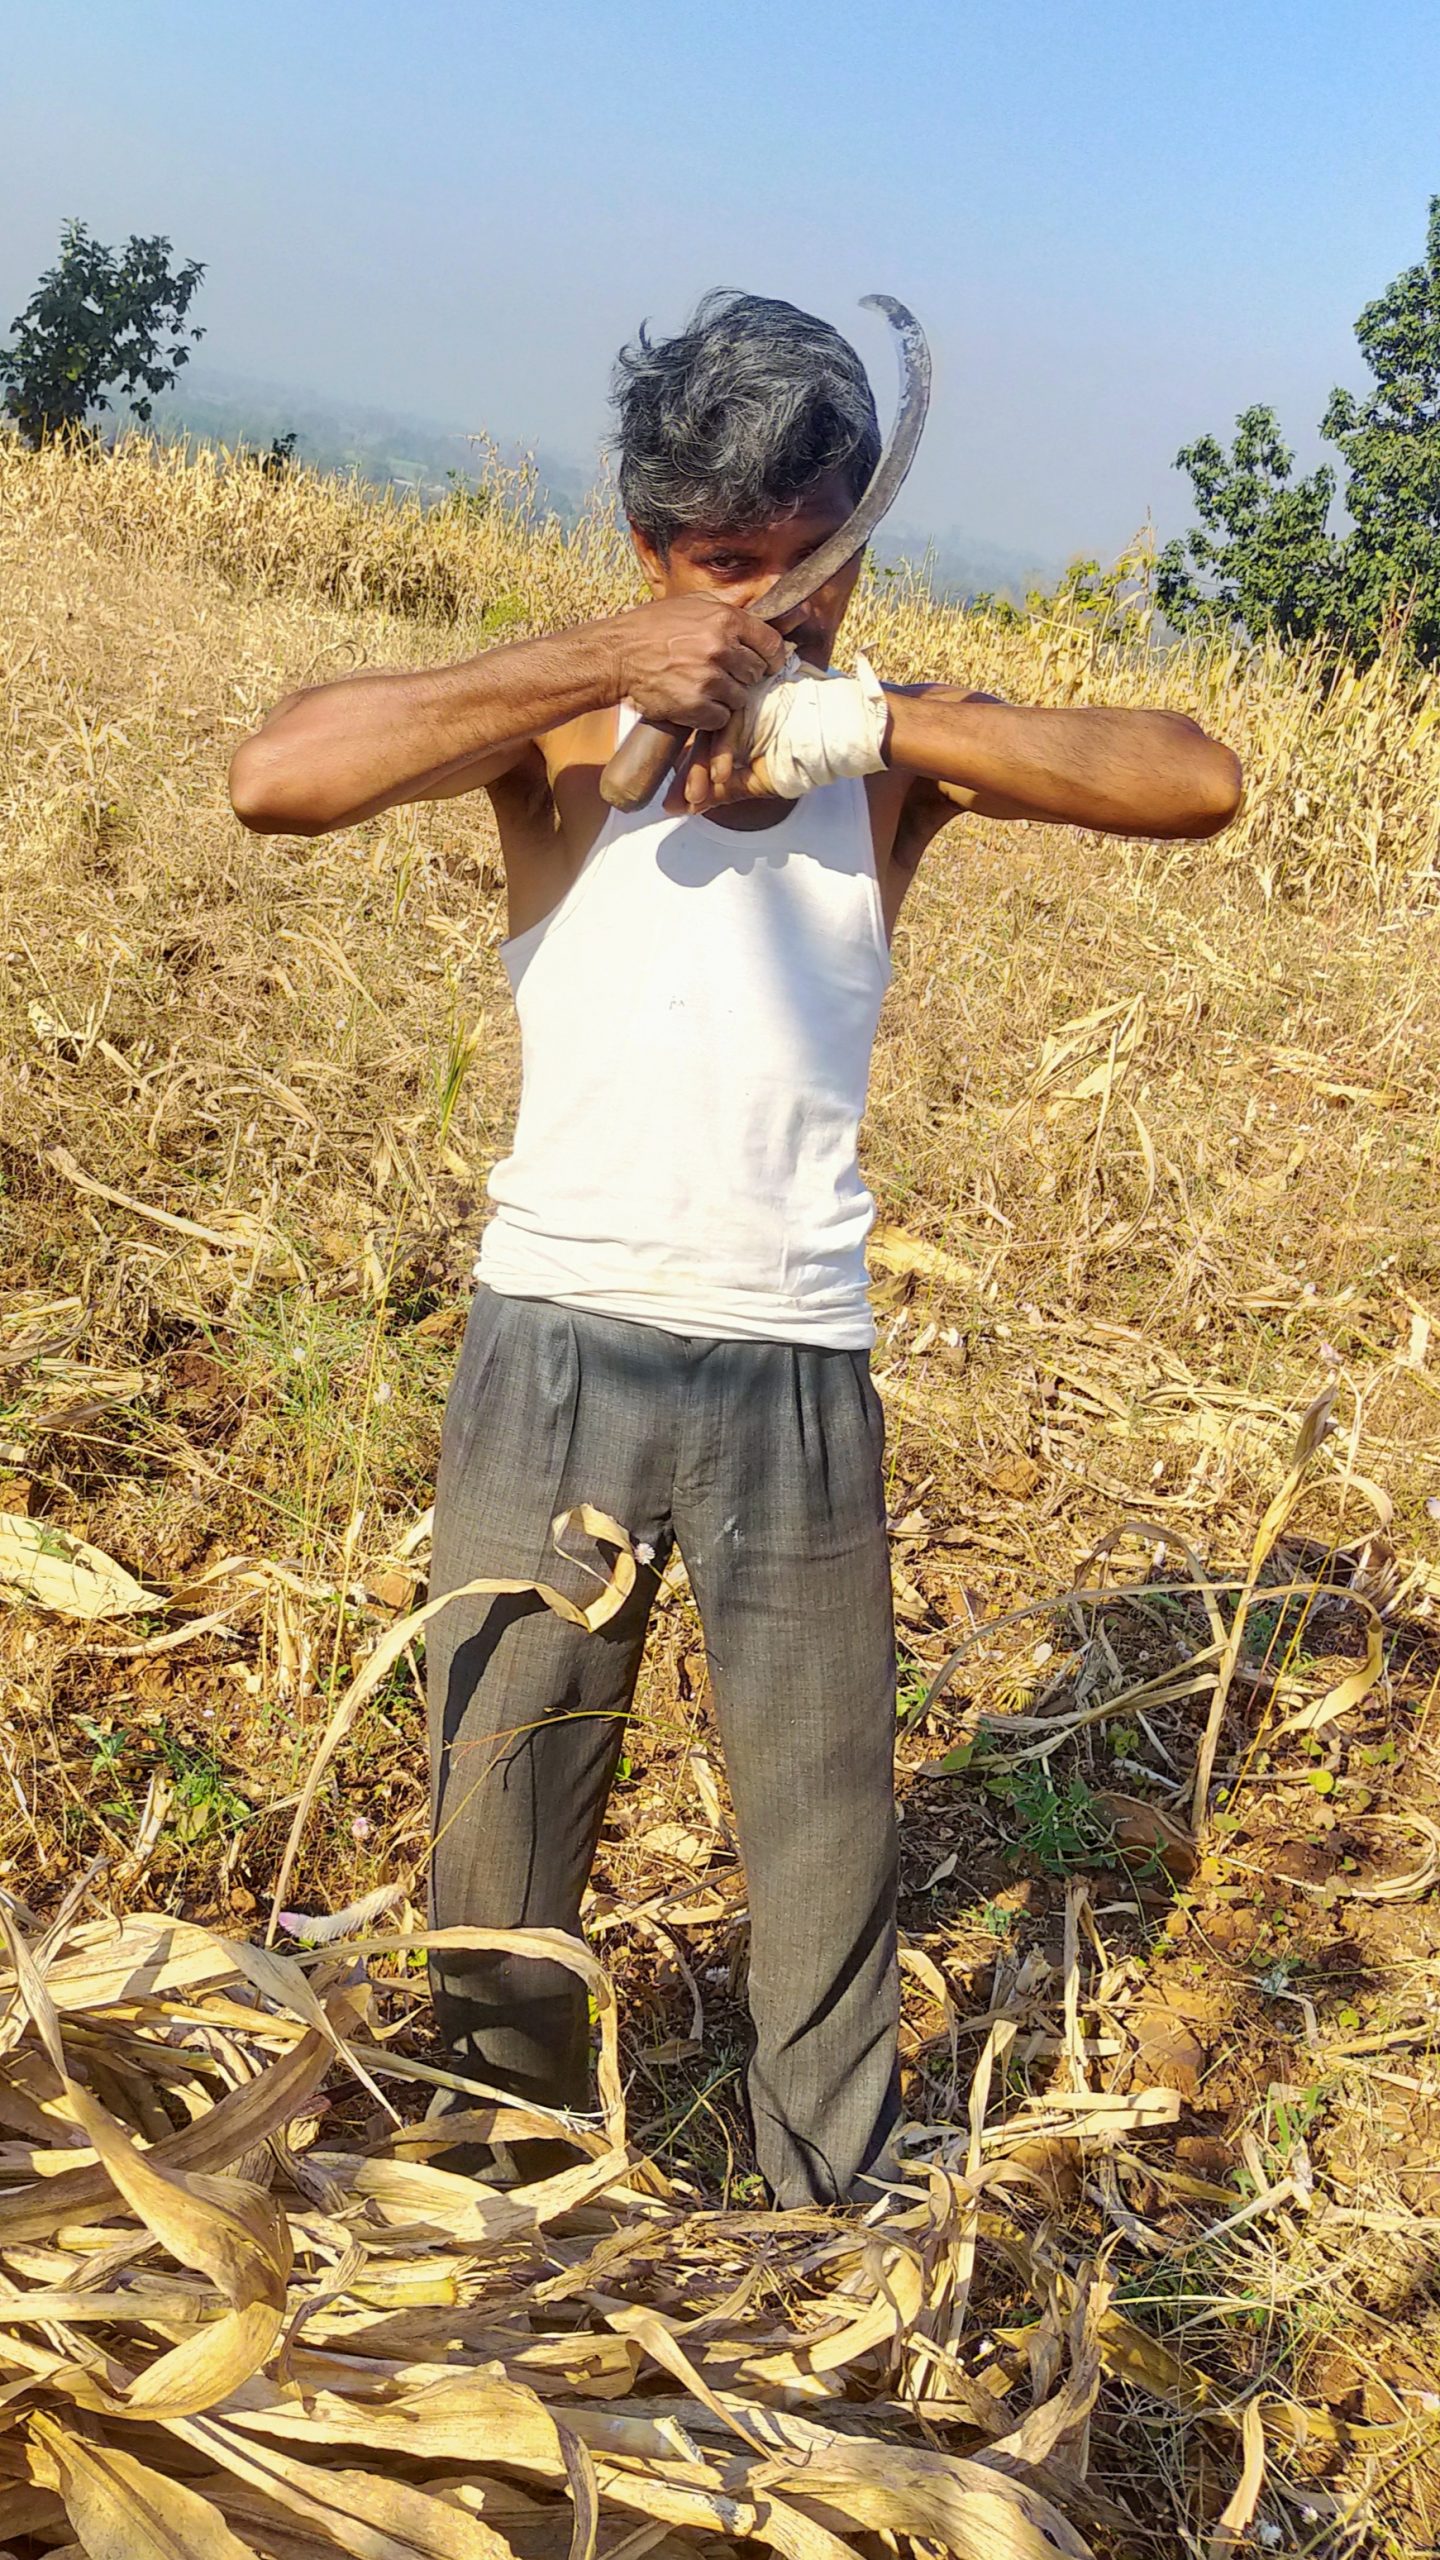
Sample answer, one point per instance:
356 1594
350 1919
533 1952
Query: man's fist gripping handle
645 756
690 664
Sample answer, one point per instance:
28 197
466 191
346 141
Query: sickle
653 748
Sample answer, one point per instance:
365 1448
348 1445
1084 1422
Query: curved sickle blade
890 470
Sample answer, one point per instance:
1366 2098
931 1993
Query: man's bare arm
344 751
1133 773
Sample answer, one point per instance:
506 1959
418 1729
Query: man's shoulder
907 812
579 746
557 760
892 799
550 798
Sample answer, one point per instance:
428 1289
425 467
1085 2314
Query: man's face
741 566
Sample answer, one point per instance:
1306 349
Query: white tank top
696 1022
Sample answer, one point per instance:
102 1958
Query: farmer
671 1320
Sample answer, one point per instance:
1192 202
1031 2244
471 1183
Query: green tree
100 321
1264 557
1391 443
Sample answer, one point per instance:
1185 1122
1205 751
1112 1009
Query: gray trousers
763 1460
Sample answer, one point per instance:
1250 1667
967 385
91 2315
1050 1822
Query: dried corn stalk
231 2324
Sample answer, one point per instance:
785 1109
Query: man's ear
651 561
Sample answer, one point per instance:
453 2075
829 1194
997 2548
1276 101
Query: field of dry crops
1153 1135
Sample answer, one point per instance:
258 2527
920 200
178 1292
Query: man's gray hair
736 418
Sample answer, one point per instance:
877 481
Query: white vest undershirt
696 1021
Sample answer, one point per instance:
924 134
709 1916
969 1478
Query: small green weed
459 1056
912 1687
1289 2116
1062 1827
1273 1631
203 1802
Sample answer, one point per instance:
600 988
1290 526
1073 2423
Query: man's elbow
1220 785
260 800
1206 778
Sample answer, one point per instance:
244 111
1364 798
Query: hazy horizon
1119 226
405 448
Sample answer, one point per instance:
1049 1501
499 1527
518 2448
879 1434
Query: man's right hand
691 660
343 751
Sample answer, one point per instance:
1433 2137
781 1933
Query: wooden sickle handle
644 757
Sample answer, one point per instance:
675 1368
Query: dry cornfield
1153 1135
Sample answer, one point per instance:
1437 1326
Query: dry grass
1155 1128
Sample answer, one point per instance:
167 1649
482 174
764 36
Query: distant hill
394 449
386 446
958 566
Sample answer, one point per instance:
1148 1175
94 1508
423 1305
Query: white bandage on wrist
807 729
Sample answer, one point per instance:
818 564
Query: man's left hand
793 733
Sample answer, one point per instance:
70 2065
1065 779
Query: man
672 1320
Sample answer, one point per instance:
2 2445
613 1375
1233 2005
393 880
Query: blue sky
1120 220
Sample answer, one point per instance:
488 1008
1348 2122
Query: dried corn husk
52 1570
